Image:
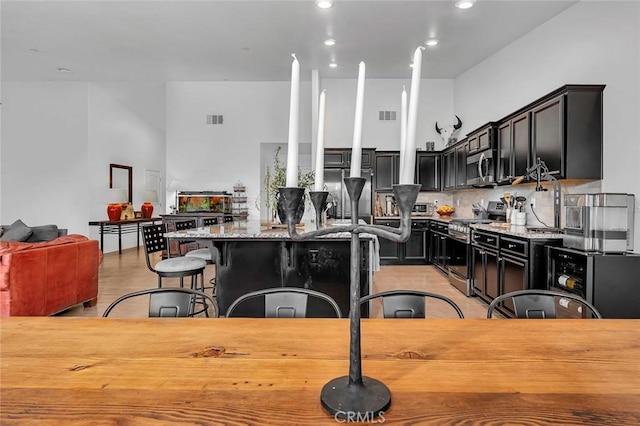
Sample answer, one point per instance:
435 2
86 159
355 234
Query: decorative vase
282 213
147 210
114 211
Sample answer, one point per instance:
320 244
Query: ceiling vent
214 119
386 116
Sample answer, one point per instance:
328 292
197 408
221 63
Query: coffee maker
601 222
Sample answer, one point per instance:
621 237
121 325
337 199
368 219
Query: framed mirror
121 177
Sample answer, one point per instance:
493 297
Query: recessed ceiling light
61 69
432 42
324 4
465 4
333 65
329 42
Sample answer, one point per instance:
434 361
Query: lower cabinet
413 251
505 263
486 282
438 237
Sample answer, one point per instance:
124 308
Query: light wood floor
120 274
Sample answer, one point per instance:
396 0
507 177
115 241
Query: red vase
114 211
147 210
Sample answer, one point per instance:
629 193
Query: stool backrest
408 303
540 304
165 302
284 302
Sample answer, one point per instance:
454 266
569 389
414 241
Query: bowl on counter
445 211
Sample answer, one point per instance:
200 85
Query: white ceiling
253 40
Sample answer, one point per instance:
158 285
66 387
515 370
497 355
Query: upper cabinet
563 128
336 158
428 170
387 170
514 140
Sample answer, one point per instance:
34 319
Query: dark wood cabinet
547 133
454 169
485 273
428 173
563 128
505 263
481 139
449 169
413 251
437 243
341 158
566 132
416 246
486 278
387 170
461 165
513 148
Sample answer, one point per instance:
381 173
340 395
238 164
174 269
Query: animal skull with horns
449 131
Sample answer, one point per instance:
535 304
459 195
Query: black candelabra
353 395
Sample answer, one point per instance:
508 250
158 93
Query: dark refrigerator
340 204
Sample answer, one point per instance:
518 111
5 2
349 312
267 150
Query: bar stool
173 267
207 255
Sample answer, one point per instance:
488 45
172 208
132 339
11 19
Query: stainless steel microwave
480 168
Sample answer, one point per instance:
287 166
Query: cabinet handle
511 245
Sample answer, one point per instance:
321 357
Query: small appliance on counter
422 209
479 212
601 222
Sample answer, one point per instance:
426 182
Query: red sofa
38 279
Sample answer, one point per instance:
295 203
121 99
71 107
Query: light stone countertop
254 229
517 231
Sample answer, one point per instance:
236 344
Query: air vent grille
214 119
386 115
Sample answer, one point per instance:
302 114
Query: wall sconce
148 197
117 197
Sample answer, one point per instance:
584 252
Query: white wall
435 104
591 42
126 126
214 157
58 140
44 155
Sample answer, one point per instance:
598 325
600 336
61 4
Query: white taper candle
292 148
356 149
403 128
318 184
412 118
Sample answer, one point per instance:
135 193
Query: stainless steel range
459 246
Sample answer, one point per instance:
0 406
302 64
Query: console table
120 227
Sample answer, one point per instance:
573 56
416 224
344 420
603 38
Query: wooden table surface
63 371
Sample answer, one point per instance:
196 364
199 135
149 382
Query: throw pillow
43 233
17 224
16 234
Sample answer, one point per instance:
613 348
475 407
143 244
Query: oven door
458 254
480 168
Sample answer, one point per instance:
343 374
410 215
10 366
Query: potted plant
275 179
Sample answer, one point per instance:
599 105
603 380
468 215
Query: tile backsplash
543 209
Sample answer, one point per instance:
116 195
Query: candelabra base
355 401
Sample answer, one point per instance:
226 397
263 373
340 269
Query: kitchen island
255 256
